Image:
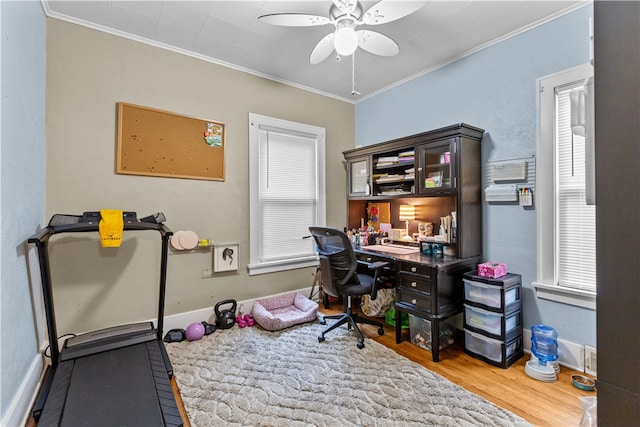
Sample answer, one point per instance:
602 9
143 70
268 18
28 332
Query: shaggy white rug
252 377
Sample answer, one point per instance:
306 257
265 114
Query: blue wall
22 197
495 89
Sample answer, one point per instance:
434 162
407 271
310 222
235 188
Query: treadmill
117 376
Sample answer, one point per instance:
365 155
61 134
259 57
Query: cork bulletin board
160 143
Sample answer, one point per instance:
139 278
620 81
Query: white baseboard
570 354
19 409
182 320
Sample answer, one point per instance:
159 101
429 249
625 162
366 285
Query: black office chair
339 277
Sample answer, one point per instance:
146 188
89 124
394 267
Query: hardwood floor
554 404
178 397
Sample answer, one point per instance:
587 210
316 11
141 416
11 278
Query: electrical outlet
206 272
590 360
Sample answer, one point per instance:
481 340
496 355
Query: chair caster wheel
320 338
381 331
360 345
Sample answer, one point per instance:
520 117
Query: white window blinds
287 193
575 220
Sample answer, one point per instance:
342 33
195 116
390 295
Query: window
566 224
287 193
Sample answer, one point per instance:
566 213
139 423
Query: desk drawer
416 283
422 270
418 300
369 258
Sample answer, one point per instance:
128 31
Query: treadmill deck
128 386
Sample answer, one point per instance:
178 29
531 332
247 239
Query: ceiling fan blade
387 11
294 19
347 6
377 43
323 49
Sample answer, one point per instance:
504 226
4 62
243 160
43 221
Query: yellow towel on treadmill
110 228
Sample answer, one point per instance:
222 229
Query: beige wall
88 73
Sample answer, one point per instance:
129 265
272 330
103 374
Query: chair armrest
377 266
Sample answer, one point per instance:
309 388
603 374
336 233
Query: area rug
253 377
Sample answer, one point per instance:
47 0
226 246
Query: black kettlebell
225 319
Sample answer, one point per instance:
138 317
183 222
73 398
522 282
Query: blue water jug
544 343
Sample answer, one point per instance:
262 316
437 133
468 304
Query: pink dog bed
283 311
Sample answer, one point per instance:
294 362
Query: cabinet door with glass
359 170
437 167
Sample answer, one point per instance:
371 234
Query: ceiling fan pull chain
353 75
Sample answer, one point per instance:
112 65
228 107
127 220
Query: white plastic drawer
497 324
490 296
497 351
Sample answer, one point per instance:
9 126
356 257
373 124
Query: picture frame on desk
225 257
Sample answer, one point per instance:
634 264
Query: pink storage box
492 269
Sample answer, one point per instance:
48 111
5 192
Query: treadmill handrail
41 240
44 234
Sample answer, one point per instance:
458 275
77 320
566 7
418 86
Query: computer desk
429 287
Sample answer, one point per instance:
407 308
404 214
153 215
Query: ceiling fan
346 15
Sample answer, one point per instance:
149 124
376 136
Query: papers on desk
392 249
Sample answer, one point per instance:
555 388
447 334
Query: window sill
577 297
274 267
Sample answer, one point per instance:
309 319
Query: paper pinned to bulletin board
160 143
378 213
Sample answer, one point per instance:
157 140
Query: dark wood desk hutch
438 172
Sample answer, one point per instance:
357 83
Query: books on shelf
390 178
387 178
387 161
405 157
394 192
409 173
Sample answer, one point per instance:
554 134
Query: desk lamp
407 213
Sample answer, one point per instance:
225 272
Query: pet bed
283 311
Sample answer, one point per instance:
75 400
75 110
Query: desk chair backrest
338 262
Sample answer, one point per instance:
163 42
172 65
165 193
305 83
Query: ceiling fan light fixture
346 16
345 39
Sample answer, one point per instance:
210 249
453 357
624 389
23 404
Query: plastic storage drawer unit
498 353
499 295
495 325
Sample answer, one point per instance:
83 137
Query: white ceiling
228 33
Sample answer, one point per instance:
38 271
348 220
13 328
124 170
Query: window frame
256 123
546 283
